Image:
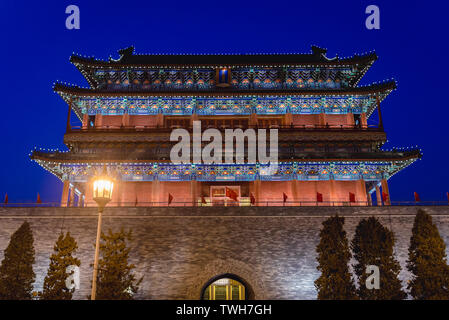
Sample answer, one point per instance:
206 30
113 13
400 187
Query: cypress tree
55 287
427 261
373 245
16 270
335 282
115 279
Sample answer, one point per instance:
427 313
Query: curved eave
225 92
50 168
53 157
382 90
364 68
54 165
88 66
308 60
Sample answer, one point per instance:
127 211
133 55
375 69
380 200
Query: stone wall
178 250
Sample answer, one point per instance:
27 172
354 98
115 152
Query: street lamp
102 194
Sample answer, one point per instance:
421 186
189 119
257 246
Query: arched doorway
226 287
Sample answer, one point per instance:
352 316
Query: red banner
384 196
170 198
319 197
284 197
38 198
351 197
6 198
417 199
203 200
252 199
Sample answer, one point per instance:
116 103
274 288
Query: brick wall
178 250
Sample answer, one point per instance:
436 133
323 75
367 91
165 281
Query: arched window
225 287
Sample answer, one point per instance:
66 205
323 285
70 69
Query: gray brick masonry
178 250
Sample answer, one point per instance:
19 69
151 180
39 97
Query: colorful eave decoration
305 170
355 100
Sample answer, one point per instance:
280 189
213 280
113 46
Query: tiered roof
128 60
343 75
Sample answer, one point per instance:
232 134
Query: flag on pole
6 198
417 199
203 200
38 198
319 197
231 194
284 197
170 198
351 197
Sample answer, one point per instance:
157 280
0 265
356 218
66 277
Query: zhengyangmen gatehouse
223 230
328 152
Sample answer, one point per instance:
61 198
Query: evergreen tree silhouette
115 279
373 244
427 261
335 282
55 287
16 270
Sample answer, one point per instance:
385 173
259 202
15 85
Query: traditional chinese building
329 153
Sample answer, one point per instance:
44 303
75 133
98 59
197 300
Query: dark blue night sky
412 46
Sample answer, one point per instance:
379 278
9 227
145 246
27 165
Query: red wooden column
368 197
256 192
288 119
99 120
194 192
362 196
81 201
68 126
386 191
125 119
322 119
65 193
295 188
160 120
72 197
363 120
350 119
378 196
118 192
381 123
333 196
253 119
85 121
155 192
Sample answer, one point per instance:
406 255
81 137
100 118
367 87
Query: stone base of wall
177 250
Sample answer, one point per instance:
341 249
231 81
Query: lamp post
102 194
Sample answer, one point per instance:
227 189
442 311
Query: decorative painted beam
286 171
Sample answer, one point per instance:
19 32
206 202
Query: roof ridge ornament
321 53
125 53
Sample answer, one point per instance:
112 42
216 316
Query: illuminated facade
329 153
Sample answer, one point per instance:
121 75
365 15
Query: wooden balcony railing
149 128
